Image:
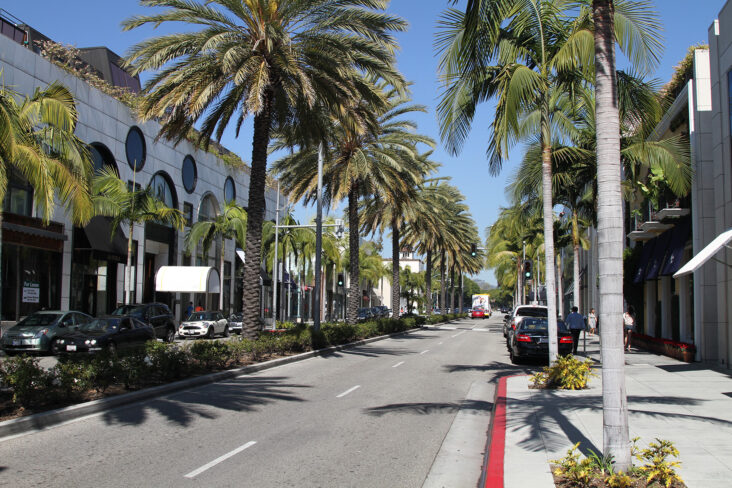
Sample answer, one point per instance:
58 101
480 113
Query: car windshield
531 312
536 325
135 310
197 316
98 325
40 319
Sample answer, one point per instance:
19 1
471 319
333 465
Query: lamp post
275 270
318 239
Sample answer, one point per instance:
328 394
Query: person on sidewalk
592 321
628 327
576 324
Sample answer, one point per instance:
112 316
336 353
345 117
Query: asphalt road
371 416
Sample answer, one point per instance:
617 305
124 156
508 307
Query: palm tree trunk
610 240
354 287
460 295
560 286
428 280
221 275
546 173
128 269
257 181
395 291
576 266
442 282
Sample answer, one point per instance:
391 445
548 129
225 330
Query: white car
204 324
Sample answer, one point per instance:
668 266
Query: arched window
135 148
229 190
189 174
209 208
163 189
102 157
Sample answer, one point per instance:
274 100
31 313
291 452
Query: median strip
219 459
348 391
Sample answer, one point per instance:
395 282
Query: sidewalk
689 404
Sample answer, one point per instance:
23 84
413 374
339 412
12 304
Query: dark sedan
109 334
531 339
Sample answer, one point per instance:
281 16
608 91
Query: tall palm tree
37 140
272 59
230 224
113 198
359 163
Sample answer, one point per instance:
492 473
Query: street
375 415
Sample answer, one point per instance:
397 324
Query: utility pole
523 287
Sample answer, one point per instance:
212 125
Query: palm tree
37 140
230 224
113 198
359 162
272 59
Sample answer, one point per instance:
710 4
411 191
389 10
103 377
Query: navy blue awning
646 252
659 255
675 252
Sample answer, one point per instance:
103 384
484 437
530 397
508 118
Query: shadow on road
430 408
495 366
368 351
239 395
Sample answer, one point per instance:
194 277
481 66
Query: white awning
187 279
705 254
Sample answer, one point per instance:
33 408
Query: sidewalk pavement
688 404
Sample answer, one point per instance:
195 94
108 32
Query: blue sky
86 23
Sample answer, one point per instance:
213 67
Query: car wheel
226 331
170 335
514 358
210 333
112 348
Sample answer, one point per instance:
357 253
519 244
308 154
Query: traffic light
527 269
340 279
473 250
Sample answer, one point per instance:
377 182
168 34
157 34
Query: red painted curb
496 450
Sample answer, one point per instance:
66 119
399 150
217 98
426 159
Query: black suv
156 315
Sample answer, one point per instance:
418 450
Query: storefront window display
31 281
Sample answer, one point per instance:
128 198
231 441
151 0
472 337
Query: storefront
31 271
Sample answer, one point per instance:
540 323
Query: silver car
235 322
38 331
204 324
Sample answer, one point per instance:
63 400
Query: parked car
381 311
364 314
531 339
236 323
108 333
204 324
156 315
36 332
519 313
477 313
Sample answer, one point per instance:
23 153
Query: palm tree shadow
427 408
244 394
494 366
367 351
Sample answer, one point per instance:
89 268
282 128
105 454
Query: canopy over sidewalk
187 279
705 254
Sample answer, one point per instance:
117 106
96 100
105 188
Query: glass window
135 148
190 174
102 157
19 195
229 190
162 190
209 209
188 213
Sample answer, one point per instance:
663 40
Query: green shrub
286 325
570 466
134 368
211 354
567 373
240 349
28 381
364 330
168 361
339 333
103 370
657 465
71 378
409 323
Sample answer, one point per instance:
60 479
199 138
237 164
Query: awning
706 254
676 247
646 252
97 236
264 278
658 257
187 279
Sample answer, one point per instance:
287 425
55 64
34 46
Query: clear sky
86 23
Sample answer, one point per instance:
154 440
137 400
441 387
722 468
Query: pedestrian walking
189 310
592 321
576 324
199 308
628 327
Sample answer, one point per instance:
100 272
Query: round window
135 148
101 157
190 174
229 190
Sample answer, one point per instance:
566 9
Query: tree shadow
367 351
494 366
240 395
427 408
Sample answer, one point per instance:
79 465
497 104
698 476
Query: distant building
407 260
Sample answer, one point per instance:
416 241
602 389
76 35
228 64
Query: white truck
483 302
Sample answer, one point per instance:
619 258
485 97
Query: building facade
63 266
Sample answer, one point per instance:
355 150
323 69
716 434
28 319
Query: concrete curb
44 420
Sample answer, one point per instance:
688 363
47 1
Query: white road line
216 461
348 391
398 364
426 350
459 333
439 343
